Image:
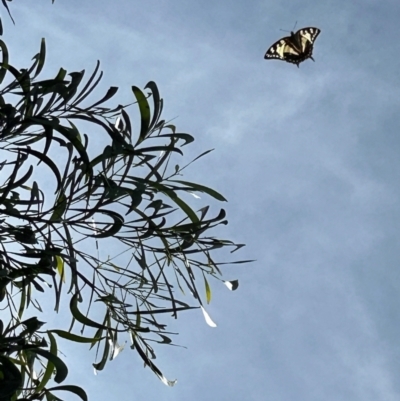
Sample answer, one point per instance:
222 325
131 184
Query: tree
64 201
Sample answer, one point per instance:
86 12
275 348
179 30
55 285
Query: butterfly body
294 48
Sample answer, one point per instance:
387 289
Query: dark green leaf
202 188
80 317
61 368
74 337
144 109
110 93
50 366
45 160
4 63
41 57
157 103
8 10
100 365
11 377
72 389
59 207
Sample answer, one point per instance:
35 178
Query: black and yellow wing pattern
294 48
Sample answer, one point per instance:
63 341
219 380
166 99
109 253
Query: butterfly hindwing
295 48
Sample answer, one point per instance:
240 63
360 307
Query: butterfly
294 48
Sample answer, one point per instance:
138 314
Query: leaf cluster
66 201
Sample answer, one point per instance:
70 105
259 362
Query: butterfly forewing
280 48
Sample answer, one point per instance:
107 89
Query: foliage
59 218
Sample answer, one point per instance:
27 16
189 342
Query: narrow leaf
208 318
144 109
72 389
232 285
80 317
202 188
208 290
41 57
74 337
60 366
60 267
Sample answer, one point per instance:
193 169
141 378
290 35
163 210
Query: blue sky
308 159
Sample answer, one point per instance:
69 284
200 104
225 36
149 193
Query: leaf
43 159
151 365
111 130
183 205
232 285
185 137
160 310
208 318
80 317
32 325
127 124
60 267
116 350
59 208
85 91
22 180
202 188
41 58
196 158
70 134
50 366
144 109
9 13
100 365
72 389
114 229
12 379
60 366
165 339
4 64
75 338
110 93
157 102
34 195
208 290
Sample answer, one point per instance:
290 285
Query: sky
308 160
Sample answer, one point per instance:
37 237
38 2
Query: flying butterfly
294 48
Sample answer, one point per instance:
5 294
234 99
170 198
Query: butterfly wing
280 49
295 48
306 38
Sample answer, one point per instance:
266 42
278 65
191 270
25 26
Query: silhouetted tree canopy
93 208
